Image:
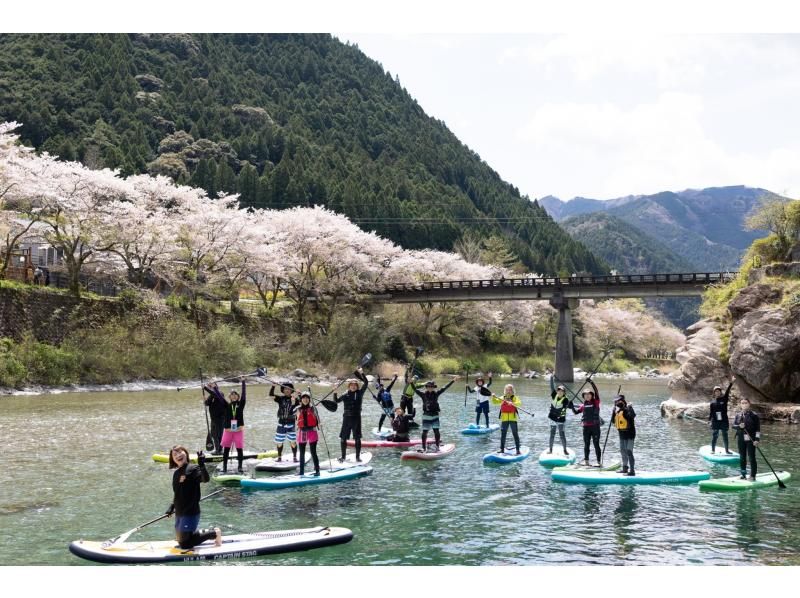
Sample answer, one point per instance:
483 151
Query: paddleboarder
431 410
186 500
559 402
718 416
590 408
624 417
233 433
307 422
401 424
216 411
509 416
351 418
385 400
482 400
748 430
287 404
407 400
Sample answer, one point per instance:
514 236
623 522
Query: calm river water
78 465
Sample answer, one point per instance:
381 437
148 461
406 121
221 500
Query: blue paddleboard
473 430
509 456
326 476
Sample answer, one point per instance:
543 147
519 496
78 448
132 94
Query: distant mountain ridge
705 227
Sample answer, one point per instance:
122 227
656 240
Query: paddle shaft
589 377
362 363
126 535
205 412
608 431
220 380
780 482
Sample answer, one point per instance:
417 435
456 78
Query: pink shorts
307 436
232 439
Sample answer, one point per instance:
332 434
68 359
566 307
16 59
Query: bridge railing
692 278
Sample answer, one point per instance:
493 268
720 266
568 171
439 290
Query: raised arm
389 388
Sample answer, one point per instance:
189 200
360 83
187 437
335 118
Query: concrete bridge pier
563 304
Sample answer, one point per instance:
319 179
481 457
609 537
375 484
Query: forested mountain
629 251
705 227
284 120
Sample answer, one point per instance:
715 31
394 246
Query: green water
77 465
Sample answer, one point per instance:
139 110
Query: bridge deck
595 287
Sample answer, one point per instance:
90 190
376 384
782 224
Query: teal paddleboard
644 477
557 457
735 483
718 456
610 466
473 430
326 476
509 456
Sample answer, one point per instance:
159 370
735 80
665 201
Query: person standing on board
590 408
748 429
407 400
216 412
558 413
385 400
307 422
624 416
186 499
509 416
233 433
286 408
482 400
431 410
351 418
718 416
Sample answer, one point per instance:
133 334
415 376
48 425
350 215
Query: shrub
12 371
495 363
47 364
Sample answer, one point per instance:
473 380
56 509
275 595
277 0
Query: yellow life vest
620 422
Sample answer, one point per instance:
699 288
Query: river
78 465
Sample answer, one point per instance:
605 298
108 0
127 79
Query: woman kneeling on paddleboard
307 422
748 429
401 424
508 416
186 501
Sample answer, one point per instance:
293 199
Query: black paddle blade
329 404
365 360
419 351
209 443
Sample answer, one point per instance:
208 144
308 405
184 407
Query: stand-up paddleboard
325 476
644 477
429 455
233 547
557 457
164 457
719 456
349 461
508 456
473 430
579 466
229 479
735 483
386 443
285 464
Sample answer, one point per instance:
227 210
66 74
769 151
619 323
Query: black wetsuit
591 424
402 429
186 504
351 418
718 416
216 412
746 436
430 412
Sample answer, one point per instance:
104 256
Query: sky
607 116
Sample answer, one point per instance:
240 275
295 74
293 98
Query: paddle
333 405
589 377
256 373
122 537
319 425
780 482
505 400
209 441
613 412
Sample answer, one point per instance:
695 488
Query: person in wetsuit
186 499
590 408
287 404
624 417
233 433
431 410
385 400
307 422
407 400
482 400
216 411
559 402
748 431
351 418
401 425
718 417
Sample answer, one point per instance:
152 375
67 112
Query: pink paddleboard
446 449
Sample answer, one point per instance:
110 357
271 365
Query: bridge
563 294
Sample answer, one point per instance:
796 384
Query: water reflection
624 519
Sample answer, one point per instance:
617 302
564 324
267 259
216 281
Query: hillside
284 120
629 251
705 227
